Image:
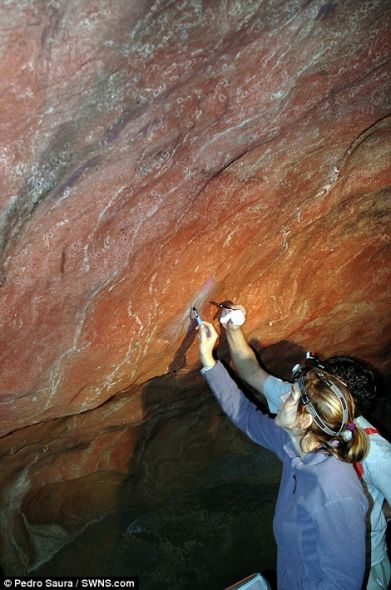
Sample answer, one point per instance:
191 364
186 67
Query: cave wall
160 154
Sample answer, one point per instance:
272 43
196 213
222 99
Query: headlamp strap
311 409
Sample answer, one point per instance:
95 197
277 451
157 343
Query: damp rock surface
160 154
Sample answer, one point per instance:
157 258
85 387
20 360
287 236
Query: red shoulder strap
371 431
357 466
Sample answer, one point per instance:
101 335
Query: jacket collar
309 459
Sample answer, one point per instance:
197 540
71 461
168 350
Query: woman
319 522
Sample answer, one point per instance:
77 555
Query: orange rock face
159 155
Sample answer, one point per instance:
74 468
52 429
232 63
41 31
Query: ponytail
350 451
332 427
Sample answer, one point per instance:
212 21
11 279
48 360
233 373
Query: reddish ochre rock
156 155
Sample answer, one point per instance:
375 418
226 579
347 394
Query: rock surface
156 155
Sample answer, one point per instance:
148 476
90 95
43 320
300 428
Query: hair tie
333 443
347 433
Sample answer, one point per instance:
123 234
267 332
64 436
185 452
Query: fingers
229 306
201 332
208 336
233 318
207 330
240 307
207 341
296 394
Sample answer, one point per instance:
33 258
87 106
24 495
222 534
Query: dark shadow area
279 358
179 360
209 494
380 415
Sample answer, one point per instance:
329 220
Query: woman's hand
208 339
232 318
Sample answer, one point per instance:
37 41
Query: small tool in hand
196 315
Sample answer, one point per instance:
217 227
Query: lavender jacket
319 523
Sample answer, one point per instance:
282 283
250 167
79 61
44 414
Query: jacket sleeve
245 415
377 466
273 389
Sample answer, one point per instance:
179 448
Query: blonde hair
347 444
